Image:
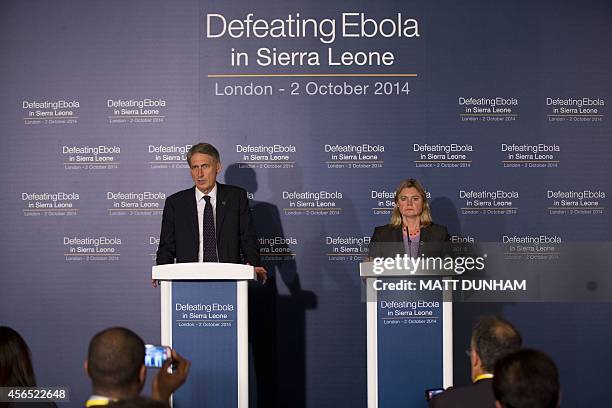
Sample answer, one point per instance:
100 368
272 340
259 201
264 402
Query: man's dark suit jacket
477 395
387 241
236 239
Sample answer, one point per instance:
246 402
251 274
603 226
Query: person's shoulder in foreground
115 366
16 368
492 338
478 394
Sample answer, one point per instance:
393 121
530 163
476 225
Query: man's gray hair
203 148
494 338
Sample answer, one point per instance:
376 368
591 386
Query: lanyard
483 377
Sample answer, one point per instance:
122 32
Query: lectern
409 337
204 316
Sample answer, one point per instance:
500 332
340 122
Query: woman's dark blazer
387 242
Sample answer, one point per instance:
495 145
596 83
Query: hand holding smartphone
432 392
156 355
167 381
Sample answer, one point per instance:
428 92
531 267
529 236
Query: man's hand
262 274
165 383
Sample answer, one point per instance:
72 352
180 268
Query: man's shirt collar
483 377
212 193
98 401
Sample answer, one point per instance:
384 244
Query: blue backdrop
500 109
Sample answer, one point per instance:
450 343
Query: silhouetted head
492 339
115 363
15 360
526 379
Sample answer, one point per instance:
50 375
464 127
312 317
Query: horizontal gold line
311 209
347 253
575 114
409 317
268 254
266 162
488 114
135 116
530 161
305 75
52 209
442 161
51 117
576 208
489 208
168 162
86 163
531 252
135 209
355 161
387 208
82 254
208 320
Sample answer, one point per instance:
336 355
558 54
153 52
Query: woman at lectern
411 230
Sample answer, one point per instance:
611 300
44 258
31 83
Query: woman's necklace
413 233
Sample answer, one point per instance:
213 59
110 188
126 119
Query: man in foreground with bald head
115 364
492 339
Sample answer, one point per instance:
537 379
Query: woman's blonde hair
425 217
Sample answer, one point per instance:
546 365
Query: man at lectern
411 231
209 222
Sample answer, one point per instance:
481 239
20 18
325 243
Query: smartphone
156 355
430 393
